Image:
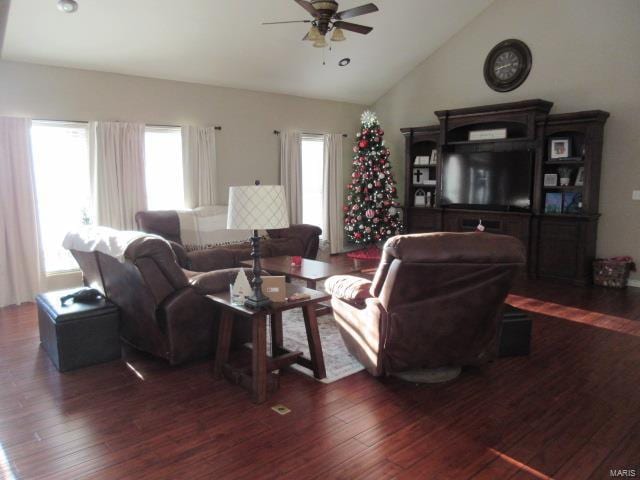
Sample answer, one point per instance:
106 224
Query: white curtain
118 171
199 165
332 192
20 260
291 173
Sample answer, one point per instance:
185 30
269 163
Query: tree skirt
338 361
370 253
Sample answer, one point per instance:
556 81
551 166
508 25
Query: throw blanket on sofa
205 227
102 239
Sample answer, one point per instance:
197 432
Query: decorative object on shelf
418 173
550 179
480 227
257 207
572 202
240 289
565 176
612 272
580 177
507 65
421 160
493 134
420 198
553 202
559 148
428 200
372 190
433 160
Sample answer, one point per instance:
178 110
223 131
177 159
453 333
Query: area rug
338 361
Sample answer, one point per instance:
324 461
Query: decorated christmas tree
371 212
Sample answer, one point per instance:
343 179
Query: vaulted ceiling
222 42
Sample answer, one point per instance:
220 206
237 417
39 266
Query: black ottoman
515 333
77 334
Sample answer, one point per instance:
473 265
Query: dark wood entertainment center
561 244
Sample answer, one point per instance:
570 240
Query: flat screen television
488 180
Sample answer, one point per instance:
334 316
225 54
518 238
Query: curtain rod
277 132
217 127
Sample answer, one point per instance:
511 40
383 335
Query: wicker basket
611 273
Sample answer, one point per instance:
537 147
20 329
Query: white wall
247 148
586 55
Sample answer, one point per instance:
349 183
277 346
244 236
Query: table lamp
257 207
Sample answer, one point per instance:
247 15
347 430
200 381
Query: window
63 187
163 168
312 178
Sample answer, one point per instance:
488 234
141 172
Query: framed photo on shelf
559 148
550 179
553 202
572 202
580 177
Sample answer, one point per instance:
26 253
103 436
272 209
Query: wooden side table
259 377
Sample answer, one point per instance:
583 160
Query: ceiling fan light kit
338 35
67 6
313 34
320 42
327 18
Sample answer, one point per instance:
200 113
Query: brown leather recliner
163 308
300 240
435 301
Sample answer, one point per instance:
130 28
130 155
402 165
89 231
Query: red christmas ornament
370 213
345 209
357 235
363 143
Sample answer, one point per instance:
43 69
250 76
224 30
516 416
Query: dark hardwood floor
570 410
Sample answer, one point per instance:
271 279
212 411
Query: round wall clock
507 65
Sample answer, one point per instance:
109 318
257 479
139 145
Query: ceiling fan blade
288 21
308 7
355 12
353 27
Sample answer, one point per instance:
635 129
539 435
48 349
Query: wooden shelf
419 185
498 140
559 245
566 161
568 188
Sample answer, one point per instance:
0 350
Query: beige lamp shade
320 42
257 207
338 35
314 33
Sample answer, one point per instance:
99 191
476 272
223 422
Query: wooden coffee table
311 271
258 379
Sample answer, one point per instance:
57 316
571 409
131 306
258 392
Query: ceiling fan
326 18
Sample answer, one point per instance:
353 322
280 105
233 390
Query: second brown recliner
434 302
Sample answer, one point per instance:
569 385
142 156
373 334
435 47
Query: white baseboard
634 283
